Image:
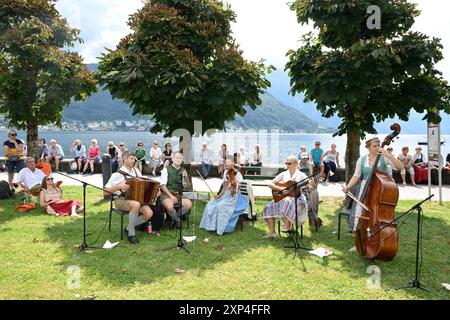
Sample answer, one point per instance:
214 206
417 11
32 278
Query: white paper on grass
109 245
189 239
446 286
321 252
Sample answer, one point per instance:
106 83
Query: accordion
145 191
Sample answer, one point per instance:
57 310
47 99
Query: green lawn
36 250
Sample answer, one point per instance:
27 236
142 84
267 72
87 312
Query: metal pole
429 164
440 165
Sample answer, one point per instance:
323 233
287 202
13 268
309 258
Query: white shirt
239 177
29 178
286 176
118 178
155 153
257 157
242 158
206 156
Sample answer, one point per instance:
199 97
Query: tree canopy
181 64
366 75
38 74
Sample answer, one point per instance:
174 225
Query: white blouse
286 176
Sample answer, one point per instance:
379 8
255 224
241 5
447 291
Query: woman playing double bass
364 167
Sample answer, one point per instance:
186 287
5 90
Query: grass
36 251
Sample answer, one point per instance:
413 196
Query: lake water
275 146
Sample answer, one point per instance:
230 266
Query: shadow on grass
399 271
127 265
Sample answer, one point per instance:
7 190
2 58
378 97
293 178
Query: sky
265 29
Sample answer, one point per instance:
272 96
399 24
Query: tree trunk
352 152
32 138
187 164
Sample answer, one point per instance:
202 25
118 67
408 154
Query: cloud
265 29
102 23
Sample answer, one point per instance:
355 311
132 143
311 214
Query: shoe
284 229
270 236
91 173
131 239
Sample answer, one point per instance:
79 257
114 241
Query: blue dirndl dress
221 215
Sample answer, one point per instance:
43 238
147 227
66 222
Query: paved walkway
325 189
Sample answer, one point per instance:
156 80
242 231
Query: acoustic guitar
280 195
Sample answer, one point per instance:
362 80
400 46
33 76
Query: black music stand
295 239
84 245
415 282
178 208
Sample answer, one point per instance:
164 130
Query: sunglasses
13 135
50 179
288 163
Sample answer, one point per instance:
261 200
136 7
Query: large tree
38 75
366 75
180 64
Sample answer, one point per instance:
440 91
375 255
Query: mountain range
271 114
280 90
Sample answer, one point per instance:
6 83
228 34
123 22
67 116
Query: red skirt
420 174
64 207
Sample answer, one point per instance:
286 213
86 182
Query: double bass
376 234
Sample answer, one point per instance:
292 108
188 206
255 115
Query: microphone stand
415 281
179 207
84 245
296 241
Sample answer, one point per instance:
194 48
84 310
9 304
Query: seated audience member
79 153
93 157
155 155
331 162
122 150
221 214
316 159
14 155
448 161
55 153
43 150
303 159
206 160
30 178
419 163
257 160
407 161
51 201
113 152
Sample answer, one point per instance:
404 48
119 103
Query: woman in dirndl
364 166
285 209
222 213
51 201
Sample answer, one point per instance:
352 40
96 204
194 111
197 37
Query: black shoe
131 239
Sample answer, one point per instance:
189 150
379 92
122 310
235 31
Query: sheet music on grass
321 252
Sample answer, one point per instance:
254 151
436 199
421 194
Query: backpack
5 191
